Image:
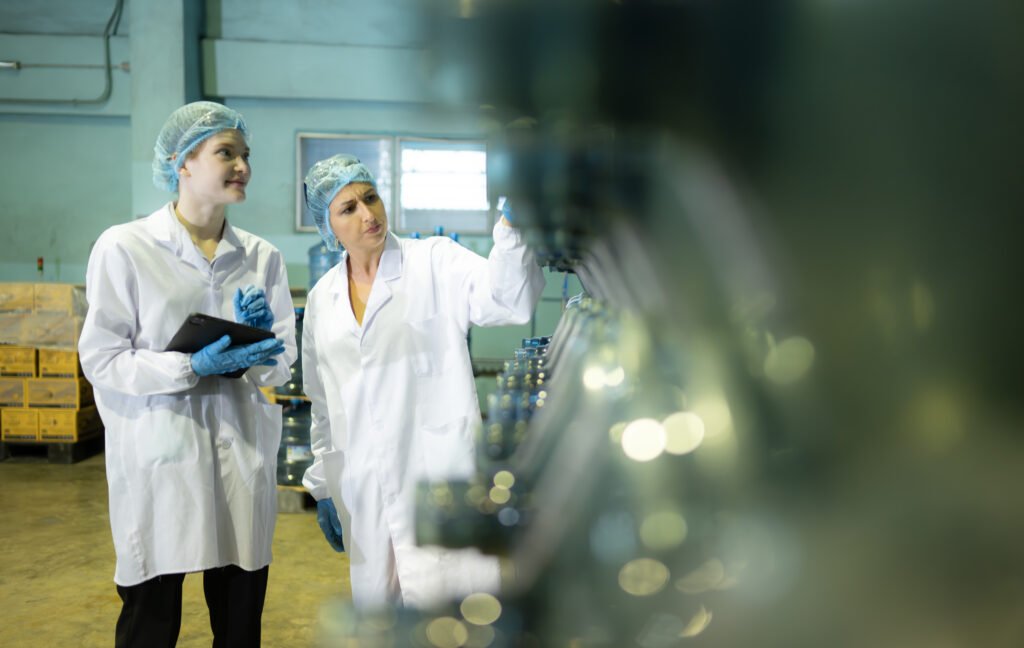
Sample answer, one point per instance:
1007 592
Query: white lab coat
190 461
394 402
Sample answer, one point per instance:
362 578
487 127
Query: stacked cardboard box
41 315
43 395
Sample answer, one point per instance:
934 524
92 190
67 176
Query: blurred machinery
787 411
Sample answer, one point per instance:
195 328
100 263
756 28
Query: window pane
443 183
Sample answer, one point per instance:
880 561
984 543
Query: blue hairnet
323 182
183 131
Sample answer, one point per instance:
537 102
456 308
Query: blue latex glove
327 518
506 209
251 308
217 358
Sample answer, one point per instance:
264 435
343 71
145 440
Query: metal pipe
108 31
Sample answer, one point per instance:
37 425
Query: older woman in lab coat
387 368
190 453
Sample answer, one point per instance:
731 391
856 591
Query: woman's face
358 218
218 171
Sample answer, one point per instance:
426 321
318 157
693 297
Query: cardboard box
70 393
19 424
66 299
17 297
10 328
12 392
59 363
17 361
53 330
68 425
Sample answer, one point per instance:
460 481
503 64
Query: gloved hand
327 518
217 358
251 308
506 209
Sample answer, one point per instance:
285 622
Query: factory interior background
780 325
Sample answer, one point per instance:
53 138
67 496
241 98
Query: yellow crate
12 392
19 424
71 393
16 297
51 330
67 299
68 425
58 363
17 361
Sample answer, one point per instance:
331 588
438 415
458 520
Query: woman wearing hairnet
190 452
387 368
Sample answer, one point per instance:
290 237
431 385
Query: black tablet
199 330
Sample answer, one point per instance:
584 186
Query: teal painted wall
65 178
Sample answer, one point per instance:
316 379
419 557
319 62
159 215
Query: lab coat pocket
166 432
259 437
446 451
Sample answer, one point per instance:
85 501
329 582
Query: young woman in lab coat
190 453
387 368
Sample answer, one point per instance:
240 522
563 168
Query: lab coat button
225 442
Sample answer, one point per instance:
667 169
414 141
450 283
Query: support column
165 60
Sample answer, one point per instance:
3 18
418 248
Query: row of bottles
438 231
521 389
485 511
295 454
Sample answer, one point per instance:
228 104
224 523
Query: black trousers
151 611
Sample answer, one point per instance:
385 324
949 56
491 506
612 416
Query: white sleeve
502 289
320 428
279 297
105 347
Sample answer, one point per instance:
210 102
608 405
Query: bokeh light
643 577
663 530
643 439
684 432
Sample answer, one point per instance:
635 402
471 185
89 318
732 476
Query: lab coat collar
168 231
391 260
230 236
164 227
389 269
390 266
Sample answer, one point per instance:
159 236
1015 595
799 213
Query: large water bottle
320 261
294 385
295 453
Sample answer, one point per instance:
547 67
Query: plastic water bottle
320 261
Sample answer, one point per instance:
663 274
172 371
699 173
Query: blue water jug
320 261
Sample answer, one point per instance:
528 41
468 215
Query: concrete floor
57 565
